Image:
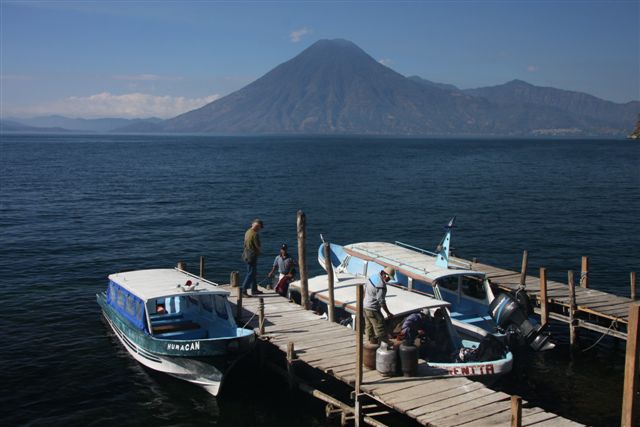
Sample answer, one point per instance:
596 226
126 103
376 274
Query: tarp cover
127 304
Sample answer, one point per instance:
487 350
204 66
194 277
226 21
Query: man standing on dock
373 304
250 256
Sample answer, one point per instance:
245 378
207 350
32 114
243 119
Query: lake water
76 208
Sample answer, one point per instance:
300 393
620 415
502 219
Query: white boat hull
193 371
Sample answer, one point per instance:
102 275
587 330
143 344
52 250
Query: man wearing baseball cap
250 256
373 304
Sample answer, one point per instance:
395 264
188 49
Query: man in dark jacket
250 256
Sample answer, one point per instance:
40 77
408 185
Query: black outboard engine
506 311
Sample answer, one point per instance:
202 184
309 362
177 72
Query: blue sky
144 58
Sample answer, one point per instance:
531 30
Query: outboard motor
506 311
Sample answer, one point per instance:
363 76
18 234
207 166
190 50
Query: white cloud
296 36
147 77
105 104
532 68
385 61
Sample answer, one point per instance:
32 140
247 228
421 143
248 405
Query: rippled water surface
75 208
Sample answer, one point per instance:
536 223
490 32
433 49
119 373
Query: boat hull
202 361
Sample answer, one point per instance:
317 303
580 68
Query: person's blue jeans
250 281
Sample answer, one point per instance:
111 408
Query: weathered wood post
302 259
630 388
523 269
181 265
544 308
516 411
261 316
572 311
291 357
359 320
239 304
329 267
234 278
632 279
584 272
202 266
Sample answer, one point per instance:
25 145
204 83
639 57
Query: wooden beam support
359 332
181 265
261 316
584 272
291 357
239 303
234 279
630 389
523 269
632 280
573 333
516 411
329 267
544 307
301 224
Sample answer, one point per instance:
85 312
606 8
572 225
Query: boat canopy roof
414 264
165 282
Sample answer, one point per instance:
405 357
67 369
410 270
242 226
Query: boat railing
415 248
453 262
195 276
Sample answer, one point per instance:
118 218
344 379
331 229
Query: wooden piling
584 272
632 279
328 266
181 265
302 258
573 333
544 308
523 269
291 357
261 316
234 278
239 304
629 399
516 411
202 266
359 323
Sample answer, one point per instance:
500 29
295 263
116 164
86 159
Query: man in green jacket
250 256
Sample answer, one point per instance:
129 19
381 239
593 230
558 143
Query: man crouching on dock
373 304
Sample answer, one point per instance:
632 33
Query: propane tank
408 359
369 356
386 360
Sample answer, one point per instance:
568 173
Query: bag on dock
283 285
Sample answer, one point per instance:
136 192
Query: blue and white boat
176 323
475 310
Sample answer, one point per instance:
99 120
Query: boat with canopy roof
177 323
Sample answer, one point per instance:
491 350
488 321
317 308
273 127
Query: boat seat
175 327
156 316
184 335
163 321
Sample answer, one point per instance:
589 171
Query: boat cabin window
474 287
450 283
120 298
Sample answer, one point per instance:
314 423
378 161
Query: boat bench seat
162 321
155 316
175 327
184 335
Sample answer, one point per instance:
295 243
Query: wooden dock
592 309
331 349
